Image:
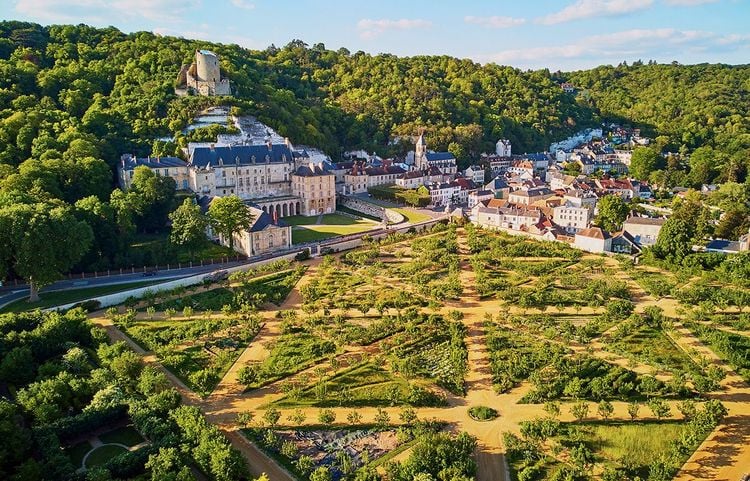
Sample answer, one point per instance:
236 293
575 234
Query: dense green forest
74 98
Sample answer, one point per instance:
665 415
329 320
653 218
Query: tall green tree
40 242
188 225
228 216
645 160
674 241
613 211
157 197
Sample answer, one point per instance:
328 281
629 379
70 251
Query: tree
297 418
659 408
613 211
552 409
247 375
271 417
326 416
167 464
644 161
703 166
156 194
245 418
188 225
382 418
605 409
321 474
354 418
733 224
580 410
674 241
40 242
228 216
408 416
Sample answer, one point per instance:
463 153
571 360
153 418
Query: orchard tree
40 242
613 211
228 216
188 225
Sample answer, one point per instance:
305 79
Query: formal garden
548 449
326 226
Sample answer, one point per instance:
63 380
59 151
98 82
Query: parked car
150 272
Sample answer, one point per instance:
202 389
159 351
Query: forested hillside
683 107
74 98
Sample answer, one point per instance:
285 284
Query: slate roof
722 245
261 220
152 162
311 170
645 221
204 157
437 156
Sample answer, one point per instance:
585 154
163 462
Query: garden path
723 456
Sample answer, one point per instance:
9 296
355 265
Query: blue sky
556 34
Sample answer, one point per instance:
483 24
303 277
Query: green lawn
306 229
364 385
77 452
57 298
103 454
653 347
123 435
412 216
638 442
150 249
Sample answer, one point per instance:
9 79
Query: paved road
10 294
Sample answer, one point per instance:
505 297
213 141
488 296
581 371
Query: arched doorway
285 210
297 209
265 209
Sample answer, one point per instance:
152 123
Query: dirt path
725 455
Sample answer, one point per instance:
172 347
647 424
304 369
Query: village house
644 230
361 178
444 193
173 167
499 187
570 218
508 217
529 196
316 187
593 239
623 243
503 148
480 196
424 159
475 173
264 235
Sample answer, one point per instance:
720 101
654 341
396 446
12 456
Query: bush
482 413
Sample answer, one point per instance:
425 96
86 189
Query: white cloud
103 11
594 8
625 45
495 21
244 4
689 3
372 28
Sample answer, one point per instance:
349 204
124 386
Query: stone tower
207 66
420 151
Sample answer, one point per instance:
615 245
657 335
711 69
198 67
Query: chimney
211 146
269 144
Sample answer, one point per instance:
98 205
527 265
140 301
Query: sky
528 34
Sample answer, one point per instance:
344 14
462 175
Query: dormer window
252 158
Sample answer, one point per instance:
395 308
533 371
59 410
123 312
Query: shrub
482 413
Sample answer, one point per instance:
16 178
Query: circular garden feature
482 413
104 453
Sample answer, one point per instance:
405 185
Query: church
424 159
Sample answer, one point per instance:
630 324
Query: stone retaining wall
370 209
